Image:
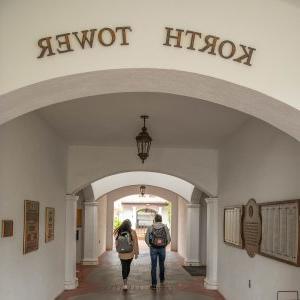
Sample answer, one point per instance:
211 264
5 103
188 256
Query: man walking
157 238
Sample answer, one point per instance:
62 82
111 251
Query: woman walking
127 246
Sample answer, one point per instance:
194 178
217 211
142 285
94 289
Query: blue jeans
159 253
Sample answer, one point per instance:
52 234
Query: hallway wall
33 167
89 163
102 221
258 162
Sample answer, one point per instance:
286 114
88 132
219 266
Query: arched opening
198 142
144 217
125 203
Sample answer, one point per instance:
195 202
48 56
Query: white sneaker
125 287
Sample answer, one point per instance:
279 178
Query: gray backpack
158 237
124 243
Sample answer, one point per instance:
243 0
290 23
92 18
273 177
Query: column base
210 284
71 285
90 262
192 263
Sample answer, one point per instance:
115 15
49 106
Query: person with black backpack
157 238
128 248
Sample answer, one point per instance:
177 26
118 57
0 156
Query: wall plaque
233 226
49 224
280 231
31 226
252 228
79 217
7 228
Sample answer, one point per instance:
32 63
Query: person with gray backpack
157 238
128 248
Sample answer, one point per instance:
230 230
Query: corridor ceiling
114 120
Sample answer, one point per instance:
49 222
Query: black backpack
158 237
124 242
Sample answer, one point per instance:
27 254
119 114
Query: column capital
91 203
212 200
193 205
70 197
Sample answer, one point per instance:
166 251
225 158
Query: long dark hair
125 226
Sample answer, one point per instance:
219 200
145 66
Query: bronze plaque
7 228
252 228
31 226
49 224
79 217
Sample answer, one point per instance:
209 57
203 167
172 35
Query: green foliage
169 210
117 222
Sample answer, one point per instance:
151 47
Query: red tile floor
104 281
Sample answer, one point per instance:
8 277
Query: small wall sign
7 228
31 226
50 218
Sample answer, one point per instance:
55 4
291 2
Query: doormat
196 270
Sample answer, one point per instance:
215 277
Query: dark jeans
159 253
125 267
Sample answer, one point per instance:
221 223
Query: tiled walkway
103 282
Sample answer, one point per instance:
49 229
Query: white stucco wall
87 164
262 163
19 48
109 224
33 167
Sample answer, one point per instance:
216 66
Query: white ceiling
113 119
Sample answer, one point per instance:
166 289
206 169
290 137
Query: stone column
91 241
174 225
71 282
193 235
211 280
134 217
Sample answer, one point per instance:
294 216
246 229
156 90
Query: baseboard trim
90 262
192 263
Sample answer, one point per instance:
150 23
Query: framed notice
31 226
7 228
49 224
280 231
233 226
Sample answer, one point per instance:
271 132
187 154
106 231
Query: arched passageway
185 217
187 248
236 157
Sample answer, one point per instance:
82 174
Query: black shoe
153 287
162 282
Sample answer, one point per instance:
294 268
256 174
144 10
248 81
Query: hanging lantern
143 141
142 190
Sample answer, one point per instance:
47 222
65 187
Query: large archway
266 108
